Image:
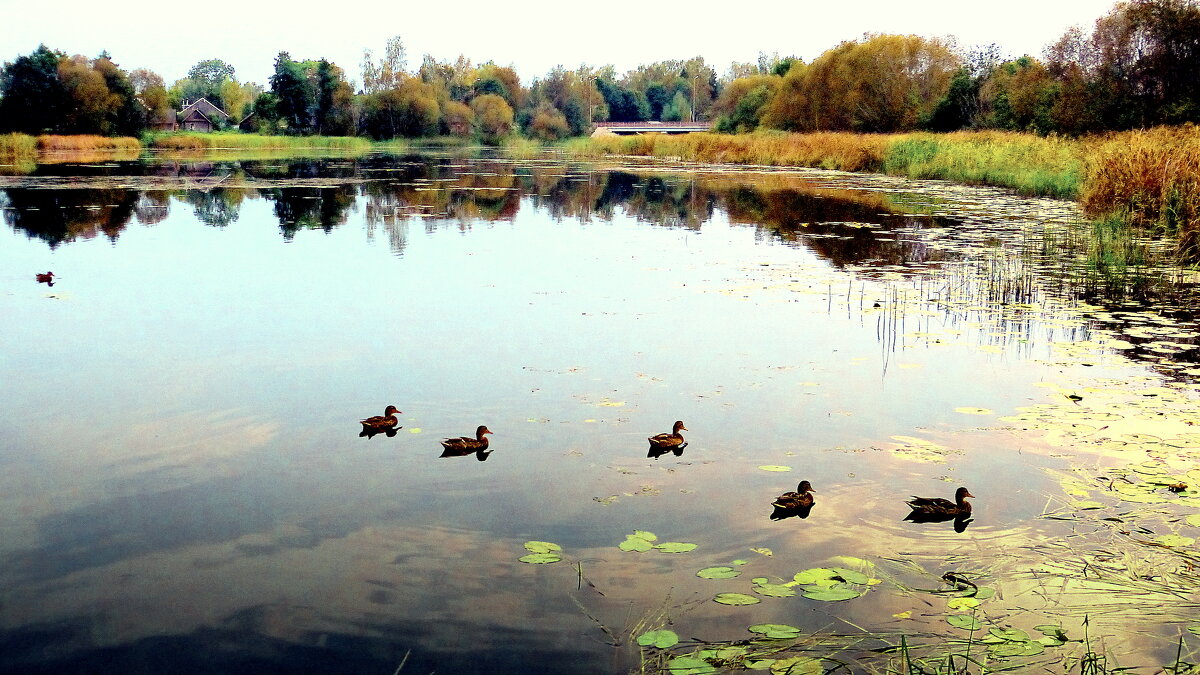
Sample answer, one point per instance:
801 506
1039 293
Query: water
184 487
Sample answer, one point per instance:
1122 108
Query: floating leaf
758 664
1010 634
736 599
962 603
973 411
1175 540
774 590
415 430
663 639
851 576
675 547
776 631
739 562
815 575
906 614
964 621
642 534
540 558
775 467
847 561
832 593
541 546
635 544
718 573
762 550
690 665
797 665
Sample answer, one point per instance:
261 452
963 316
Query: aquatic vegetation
17 146
542 553
87 143
238 141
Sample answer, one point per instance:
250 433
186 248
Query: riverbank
1148 178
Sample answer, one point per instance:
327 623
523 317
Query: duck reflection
782 513
372 433
656 452
481 454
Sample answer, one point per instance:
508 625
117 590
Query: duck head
678 427
481 431
961 494
391 410
804 487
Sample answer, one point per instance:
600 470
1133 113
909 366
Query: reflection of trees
218 207
310 208
152 207
57 216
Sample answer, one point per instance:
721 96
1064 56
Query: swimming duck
47 278
936 506
671 440
382 422
794 500
467 443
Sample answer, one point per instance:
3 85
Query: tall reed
87 143
1152 177
17 146
240 141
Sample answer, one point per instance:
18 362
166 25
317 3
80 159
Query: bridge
631 128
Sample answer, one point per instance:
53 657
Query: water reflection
656 452
481 454
783 512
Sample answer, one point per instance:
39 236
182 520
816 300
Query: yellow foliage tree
493 115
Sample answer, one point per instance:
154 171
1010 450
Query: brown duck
382 422
466 443
937 506
47 278
671 440
802 497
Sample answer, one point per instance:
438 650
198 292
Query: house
164 120
201 115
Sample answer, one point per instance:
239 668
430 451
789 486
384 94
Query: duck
466 443
939 507
47 278
385 422
671 440
802 497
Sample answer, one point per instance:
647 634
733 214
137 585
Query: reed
17 147
1152 178
1031 165
239 141
827 150
88 143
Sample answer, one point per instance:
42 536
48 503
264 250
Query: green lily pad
718 573
774 590
775 630
1175 540
642 534
635 544
1010 634
850 576
832 593
690 665
740 562
736 599
797 665
662 639
1087 504
775 467
962 603
763 550
540 558
964 621
815 575
541 546
1193 520
758 664
675 547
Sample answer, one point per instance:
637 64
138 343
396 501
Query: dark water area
184 486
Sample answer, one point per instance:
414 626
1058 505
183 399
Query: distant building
201 115
164 120
631 128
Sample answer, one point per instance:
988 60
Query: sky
532 36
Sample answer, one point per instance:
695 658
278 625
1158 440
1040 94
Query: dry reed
87 143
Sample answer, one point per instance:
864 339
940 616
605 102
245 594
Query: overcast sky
532 36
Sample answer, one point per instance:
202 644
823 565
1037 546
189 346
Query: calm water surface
184 488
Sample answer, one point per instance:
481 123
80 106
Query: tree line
1138 66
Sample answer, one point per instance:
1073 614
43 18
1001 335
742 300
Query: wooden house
201 115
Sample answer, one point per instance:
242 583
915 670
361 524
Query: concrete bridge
632 128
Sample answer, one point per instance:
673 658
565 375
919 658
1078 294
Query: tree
494 117
457 119
126 116
335 101
678 110
740 106
386 74
294 93
411 110
549 124
32 98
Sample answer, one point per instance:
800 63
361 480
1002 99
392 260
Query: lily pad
540 558
835 593
762 550
1174 540
815 575
663 639
736 599
635 544
690 665
797 665
780 631
675 547
962 603
964 621
541 546
850 576
775 467
642 534
774 590
1010 634
718 573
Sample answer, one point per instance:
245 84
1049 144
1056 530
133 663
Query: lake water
184 487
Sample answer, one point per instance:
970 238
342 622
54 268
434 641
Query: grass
88 143
17 146
239 141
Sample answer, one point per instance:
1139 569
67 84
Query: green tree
32 98
295 94
494 117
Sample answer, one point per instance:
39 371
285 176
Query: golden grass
86 143
827 150
17 146
1150 176
240 141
